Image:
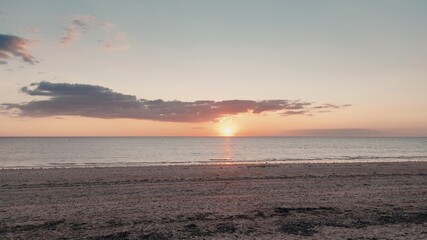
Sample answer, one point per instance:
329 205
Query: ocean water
66 152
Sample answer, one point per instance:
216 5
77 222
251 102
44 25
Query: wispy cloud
76 26
32 29
114 39
298 112
117 42
66 99
13 46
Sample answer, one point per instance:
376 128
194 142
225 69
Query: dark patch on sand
226 228
154 236
285 210
113 236
115 223
402 217
298 228
309 218
368 238
195 230
49 225
78 225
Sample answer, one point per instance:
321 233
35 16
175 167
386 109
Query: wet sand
286 201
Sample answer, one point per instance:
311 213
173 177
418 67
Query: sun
227 132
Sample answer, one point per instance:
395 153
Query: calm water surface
140 151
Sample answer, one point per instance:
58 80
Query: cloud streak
13 46
80 24
336 132
76 26
65 99
116 42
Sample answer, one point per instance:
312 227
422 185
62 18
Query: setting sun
227 132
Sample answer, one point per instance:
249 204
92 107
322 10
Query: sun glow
227 127
227 132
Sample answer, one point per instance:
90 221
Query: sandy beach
283 201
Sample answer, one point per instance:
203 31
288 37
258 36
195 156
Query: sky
213 68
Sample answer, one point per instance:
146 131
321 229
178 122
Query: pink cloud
117 42
76 26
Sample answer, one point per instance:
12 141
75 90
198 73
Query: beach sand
283 201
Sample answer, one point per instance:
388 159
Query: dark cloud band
336 132
99 102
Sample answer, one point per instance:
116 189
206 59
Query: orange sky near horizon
240 125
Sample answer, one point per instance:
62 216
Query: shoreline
251 201
222 163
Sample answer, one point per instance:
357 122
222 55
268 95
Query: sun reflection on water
228 151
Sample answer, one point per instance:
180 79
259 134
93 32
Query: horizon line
216 136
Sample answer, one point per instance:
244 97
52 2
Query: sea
78 152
